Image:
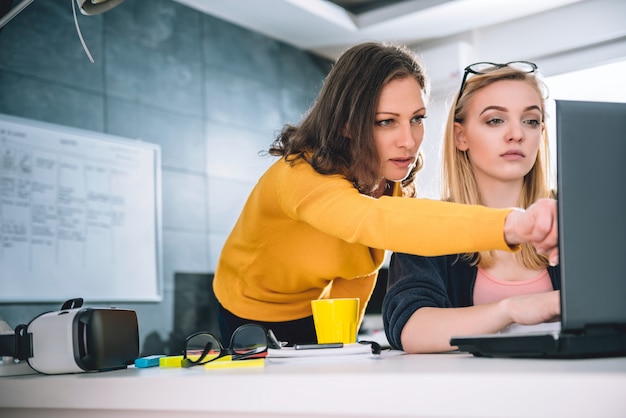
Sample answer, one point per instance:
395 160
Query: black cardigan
441 282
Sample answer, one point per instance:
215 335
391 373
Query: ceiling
329 27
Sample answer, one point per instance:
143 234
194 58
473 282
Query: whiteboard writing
79 215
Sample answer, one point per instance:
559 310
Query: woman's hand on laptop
536 225
534 308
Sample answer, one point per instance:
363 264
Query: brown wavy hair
337 134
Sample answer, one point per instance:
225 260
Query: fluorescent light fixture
95 7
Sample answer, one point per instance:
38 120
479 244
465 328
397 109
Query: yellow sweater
303 235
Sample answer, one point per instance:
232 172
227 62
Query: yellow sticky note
174 361
227 362
170 361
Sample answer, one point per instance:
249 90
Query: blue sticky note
148 361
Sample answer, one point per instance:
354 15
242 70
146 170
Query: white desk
440 385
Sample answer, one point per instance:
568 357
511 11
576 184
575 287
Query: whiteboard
80 215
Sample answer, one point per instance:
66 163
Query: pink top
489 289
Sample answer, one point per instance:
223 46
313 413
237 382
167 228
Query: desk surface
438 385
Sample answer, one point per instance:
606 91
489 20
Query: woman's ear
459 137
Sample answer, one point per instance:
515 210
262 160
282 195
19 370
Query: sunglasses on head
486 67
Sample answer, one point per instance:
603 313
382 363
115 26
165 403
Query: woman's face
502 131
399 127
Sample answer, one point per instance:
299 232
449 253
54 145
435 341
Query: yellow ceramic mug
335 320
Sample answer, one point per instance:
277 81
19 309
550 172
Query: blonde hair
458 181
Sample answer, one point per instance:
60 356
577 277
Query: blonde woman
495 154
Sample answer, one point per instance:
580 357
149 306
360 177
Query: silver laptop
591 180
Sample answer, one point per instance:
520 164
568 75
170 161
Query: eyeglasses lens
524 66
248 340
482 67
202 348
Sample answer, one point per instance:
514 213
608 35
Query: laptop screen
591 179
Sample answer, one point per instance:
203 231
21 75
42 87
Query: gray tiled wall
210 93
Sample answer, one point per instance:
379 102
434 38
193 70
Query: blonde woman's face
502 131
399 127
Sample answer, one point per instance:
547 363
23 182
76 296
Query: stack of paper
349 352
347 349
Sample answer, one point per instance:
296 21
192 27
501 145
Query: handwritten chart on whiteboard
79 215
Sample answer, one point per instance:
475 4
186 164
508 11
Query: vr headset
75 339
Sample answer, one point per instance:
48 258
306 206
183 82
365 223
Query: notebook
591 181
